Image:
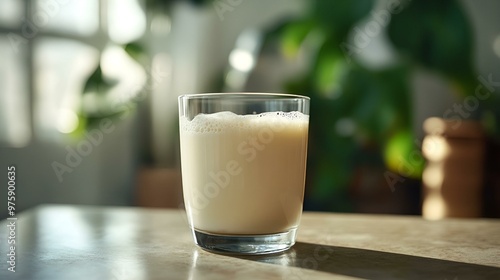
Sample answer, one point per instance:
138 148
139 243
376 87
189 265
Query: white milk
244 174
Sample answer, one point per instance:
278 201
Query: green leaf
136 51
437 35
96 83
401 155
339 16
293 35
329 71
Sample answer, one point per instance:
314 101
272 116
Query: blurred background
405 110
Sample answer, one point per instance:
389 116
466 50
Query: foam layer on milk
222 121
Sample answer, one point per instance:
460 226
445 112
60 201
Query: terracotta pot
453 176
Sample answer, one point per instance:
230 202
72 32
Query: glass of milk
243 159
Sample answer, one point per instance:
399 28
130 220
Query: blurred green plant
361 116
99 86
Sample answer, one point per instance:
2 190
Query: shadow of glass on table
372 264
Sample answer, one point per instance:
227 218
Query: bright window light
11 11
76 17
61 67
67 121
126 21
15 123
241 60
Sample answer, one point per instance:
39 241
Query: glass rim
243 94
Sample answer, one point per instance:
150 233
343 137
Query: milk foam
223 121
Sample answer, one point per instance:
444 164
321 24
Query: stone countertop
84 242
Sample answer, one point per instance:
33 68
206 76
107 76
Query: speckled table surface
69 242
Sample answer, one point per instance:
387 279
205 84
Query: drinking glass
243 159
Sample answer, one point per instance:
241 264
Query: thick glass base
245 244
